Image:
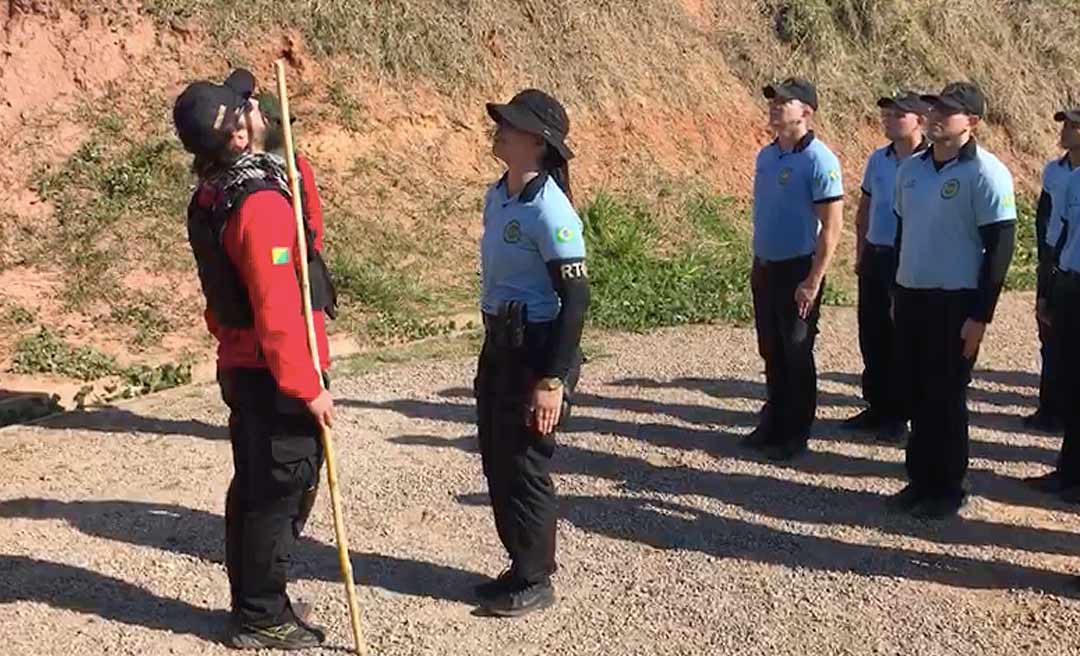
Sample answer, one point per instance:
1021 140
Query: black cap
200 110
905 101
536 112
962 96
793 88
1068 115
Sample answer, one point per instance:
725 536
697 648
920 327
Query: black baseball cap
538 113
905 101
793 88
1068 115
200 111
966 97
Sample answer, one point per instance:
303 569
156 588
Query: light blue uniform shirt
521 235
1055 180
1070 254
941 213
787 186
879 183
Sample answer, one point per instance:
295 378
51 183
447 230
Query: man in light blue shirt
1048 222
956 229
1062 295
903 118
798 210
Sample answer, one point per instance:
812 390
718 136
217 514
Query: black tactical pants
516 459
277 454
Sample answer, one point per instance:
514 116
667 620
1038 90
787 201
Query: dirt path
674 540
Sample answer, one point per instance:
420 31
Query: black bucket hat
536 112
200 111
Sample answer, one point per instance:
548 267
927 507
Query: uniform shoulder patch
1009 201
834 174
565 235
279 255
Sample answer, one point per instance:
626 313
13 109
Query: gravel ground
674 540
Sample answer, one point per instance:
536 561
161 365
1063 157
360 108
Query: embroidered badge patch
785 176
512 232
950 188
279 255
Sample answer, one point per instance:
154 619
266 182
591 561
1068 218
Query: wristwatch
549 384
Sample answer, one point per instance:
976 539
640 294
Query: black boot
489 590
522 599
289 636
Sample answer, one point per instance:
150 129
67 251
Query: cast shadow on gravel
991 397
727 388
724 444
119 420
786 499
666 525
90 593
201 534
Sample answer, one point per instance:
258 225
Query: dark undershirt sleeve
570 278
1042 222
999 240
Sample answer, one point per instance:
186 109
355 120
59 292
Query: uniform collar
800 146
1064 161
531 190
967 151
890 150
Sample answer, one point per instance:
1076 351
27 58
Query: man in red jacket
243 235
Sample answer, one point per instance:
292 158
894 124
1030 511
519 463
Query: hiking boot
1049 483
488 590
1043 422
905 499
522 599
867 420
758 438
893 432
939 507
786 450
286 637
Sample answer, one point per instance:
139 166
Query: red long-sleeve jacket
261 243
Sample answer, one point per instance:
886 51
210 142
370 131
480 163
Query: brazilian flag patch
279 255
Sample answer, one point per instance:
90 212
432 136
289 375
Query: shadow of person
82 591
200 534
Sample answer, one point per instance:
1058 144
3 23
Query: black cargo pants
277 455
516 459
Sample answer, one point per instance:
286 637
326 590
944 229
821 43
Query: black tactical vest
226 295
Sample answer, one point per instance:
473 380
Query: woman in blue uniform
534 298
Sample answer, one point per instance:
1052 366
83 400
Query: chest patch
512 232
950 188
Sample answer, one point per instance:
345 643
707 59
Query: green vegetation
461 345
117 204
47 353
13 315
1022 272
644 275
